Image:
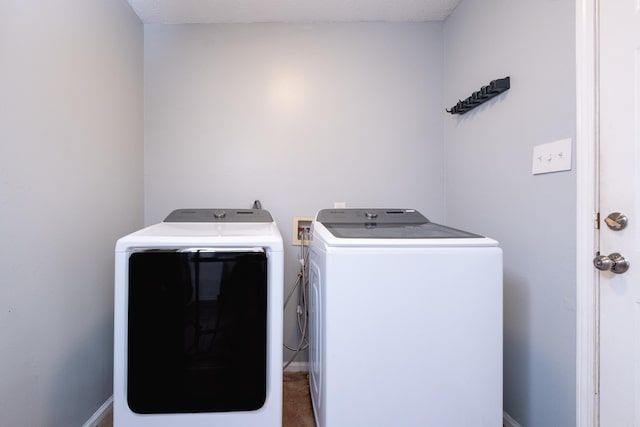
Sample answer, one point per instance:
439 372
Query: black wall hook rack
494 88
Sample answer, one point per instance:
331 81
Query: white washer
198 321
405 322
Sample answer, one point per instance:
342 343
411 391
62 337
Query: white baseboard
100 414
508 421
298 367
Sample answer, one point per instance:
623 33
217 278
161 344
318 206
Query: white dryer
405 322
198 321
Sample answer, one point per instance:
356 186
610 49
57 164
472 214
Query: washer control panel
385 224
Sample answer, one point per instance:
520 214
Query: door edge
587 307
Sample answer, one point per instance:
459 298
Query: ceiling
244 11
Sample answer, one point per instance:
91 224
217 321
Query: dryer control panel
219 215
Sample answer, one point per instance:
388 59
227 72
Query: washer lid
219 215
385 224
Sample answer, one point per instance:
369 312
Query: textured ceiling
236 11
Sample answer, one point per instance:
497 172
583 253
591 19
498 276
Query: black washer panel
385 224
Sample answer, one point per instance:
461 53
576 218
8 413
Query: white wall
490 188
71 145
298 116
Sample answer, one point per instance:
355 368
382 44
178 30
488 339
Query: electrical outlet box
301 224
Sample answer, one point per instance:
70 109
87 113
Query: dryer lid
385 224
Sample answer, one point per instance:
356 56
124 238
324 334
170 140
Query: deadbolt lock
616 221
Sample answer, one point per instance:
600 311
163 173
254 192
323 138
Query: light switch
552 157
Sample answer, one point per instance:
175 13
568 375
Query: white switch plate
552 157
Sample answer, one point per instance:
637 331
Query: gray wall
298 116
490 189
70 183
